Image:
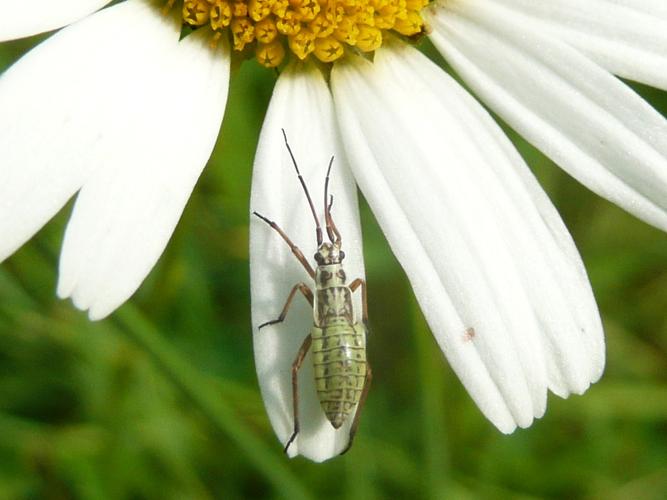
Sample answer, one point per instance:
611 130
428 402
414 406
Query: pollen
324 29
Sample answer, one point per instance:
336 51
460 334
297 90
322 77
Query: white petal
62 107
301 104
656 8
479 240
21 18
578 114
626 40
170 111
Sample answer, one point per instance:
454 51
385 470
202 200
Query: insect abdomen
339 360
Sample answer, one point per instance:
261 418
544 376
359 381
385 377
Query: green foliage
161 400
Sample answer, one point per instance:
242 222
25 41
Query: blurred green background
161 399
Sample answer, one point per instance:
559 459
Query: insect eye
342 255
318 258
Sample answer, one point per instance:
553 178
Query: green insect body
337 338
338 347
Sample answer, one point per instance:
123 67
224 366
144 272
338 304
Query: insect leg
364 303
296 365
295 249
360 407
306 293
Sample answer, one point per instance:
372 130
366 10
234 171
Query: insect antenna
318 228
332 230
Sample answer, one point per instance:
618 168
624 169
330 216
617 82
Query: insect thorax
333 299
330 275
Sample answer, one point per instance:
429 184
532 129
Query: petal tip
97 313
65 288
507 429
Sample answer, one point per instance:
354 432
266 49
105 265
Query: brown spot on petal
469 335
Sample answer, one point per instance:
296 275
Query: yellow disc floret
323 28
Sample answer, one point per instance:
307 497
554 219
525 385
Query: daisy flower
97 109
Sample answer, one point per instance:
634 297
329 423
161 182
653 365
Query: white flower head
494 269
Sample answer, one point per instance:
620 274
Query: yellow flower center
323 28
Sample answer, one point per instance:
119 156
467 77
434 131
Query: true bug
337 339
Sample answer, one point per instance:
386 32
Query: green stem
192 383
434 440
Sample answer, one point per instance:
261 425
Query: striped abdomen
339 359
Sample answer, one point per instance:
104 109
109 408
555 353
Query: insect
337 339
